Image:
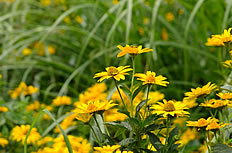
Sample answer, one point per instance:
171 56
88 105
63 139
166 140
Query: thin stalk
207 143
94 116
148 90
105 126
132 83
97 139
165 150
119 92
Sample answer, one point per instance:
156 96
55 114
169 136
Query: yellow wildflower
226 37
190 103
209 124
205 90
213 103
94 106
181 12
45 2
146 20
112 115
214 41
115 2
227 64
164 34
67 20
170 107
107 149
132 50
151 78
34 106
61 100
216 126
0 76
19 133
84 117
154 97
200 123
187 136
51 50
66 123
79 19
3 109
3 142
44 140
27 51
225 95
169 16
116 73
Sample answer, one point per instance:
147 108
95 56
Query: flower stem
207 143
119 92
166 140
132 83
148 90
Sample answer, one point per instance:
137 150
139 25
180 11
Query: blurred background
58 45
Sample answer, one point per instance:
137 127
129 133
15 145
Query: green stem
94 116
165 150
119 92
132 84
207 143
148 89
97 139
105 126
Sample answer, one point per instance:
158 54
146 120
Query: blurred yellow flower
169 16
0 76
226 95
61 100
164 34
154 97
45 2
170 107
66 123
44 140
27 51
213 103
94 106
116 73
151 78
200 123
227 64
219 40
51 50
198 92
181 12
107 149
67 20
187 136
119 151
132 50
84 117
115 2
146 20
214 41
216 126
112 115
3 109
34 106
3 142
231 53
19 133
79 19
141 31
190 102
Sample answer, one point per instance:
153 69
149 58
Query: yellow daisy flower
26 51
63 100
214 41
84 117
225 95
151 78
169 16
227 64
19 133
3 109
203 123
169 108
216 126
226 36
132 50
116 73
119 151
112 115
3 142
94 106
107 149
187 136
213 103
205 90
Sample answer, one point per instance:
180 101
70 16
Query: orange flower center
151 78
91 107
112 71
202 122
169 107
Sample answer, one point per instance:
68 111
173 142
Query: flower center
112 71
202 122
91 107
151 78
169 107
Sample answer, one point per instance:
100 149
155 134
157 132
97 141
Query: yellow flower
45 2
225 95
146 20
214 41
3 109
187 136
151 78
205 90
213 103
118 151
151 147
116 73
3 142
231 53
107 149
115 2
27 51
112 115
180 121
164 34
203 123
94 106
227 64
51 50
141 31
0 76
84 117
132 50
19 133
181 12
44 140
63 100
66 123
169 16
216 126
190 103
200 123
226 36
79 19
169 108
67 20
34 106
154 97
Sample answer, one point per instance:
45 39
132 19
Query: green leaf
136 92
153 127
155 141
126 141
2 120
150 119
172 134
221 148
124 125
124 112
126 90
